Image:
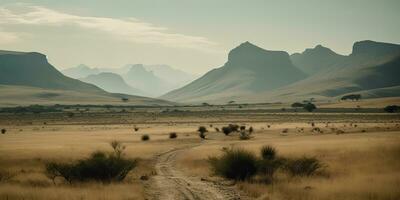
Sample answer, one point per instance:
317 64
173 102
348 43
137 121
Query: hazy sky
194 36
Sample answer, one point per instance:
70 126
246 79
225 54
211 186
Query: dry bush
305 166
145 137
226 130
236 164
173 135
202 132
100 166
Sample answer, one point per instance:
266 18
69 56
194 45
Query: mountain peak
247 53
372 48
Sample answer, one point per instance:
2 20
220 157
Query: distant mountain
249 70
314 60
176 78
145 80
158 79
80 71
27 78
111 83
32 69
254 75
372 69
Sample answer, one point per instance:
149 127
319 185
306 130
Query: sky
194 36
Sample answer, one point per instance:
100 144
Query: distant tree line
351 97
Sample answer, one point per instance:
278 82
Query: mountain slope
372 68
111 82
28 78
176 78
250 69
145 80
314 60
32 69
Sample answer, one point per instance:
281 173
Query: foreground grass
358 167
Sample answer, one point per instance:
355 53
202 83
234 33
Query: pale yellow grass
359 165
23 153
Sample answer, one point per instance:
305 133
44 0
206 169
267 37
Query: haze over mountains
253 74
28 78
148 80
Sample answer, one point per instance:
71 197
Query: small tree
202 132
310 107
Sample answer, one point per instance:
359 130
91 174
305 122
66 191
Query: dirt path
171 183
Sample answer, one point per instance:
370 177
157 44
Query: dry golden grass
358 165
361 165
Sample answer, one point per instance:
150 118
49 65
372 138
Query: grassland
361 161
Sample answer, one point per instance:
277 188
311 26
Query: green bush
145 137
305 166
99 166
236 164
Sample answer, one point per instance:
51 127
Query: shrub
217 129
173 135
234 127
242 128
244 136
5 176
145 137
309 107
99 166
236 164
305 166
251 130
202 132
268 152
392 109
226 130
136 129
268 168
297 105
3 131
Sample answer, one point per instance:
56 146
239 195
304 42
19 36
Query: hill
28 77
145 80
111 82
249 69
316 59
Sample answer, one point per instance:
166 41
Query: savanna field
327 154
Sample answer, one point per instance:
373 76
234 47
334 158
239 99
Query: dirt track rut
171 184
